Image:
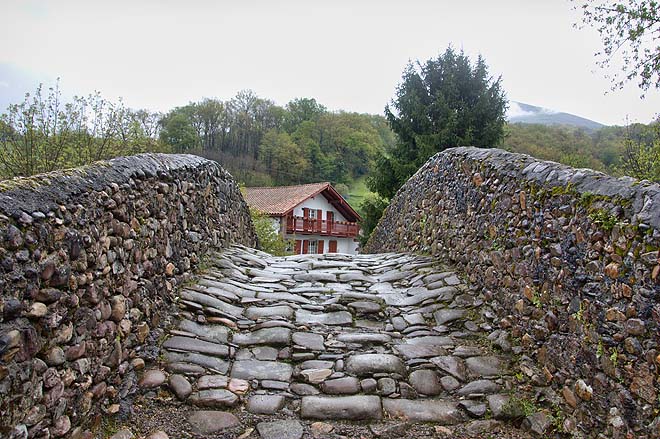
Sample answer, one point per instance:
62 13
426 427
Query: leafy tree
262 143
270 240
441 103
641 158
301 110
629 30
283 157
178 131
372 210
43 133
342 189
211 119
35 134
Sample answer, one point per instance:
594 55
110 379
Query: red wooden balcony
341 229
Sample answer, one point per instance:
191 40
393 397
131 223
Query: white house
315 216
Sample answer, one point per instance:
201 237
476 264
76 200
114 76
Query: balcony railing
343 229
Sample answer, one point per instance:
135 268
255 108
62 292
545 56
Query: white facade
314 204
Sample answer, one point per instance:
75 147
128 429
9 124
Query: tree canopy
263 144
43 133
629 32
444 102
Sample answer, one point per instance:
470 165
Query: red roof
280 200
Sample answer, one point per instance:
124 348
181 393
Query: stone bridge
503 297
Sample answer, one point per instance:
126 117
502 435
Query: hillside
519 112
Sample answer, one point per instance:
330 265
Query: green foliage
283 156
571 146
633 150
603 218
302 110
579 315
614 357
358 192
270 240
43 133
628 29
263 144
372 209
444 102
178 132
342 188
641 158
517 407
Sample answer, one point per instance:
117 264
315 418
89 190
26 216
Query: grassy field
357 192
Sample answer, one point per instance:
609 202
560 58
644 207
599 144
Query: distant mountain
524 113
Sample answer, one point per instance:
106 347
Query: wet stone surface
366 345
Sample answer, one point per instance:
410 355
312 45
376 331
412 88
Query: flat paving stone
316 376
444 316
209 422
410 351
367 364
316 276
180 386
212 333
422 294
215 398
341 386
265 404
479 387
261 370
394 275
486 366
288 429
269 336
357 407
309 340
436 340
364 338
426 382
258 312
317 364
424 410
152 378
449 383
303 389
188 344
265 353
304 317
275 385
210 301
452 365
365 307
185 369
467 351
212 382
212 363
283 297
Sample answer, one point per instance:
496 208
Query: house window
313 247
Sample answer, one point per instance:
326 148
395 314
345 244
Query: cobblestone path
387 345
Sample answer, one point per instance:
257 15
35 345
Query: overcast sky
349 55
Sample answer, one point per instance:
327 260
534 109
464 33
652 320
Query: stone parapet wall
570 261
89 261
